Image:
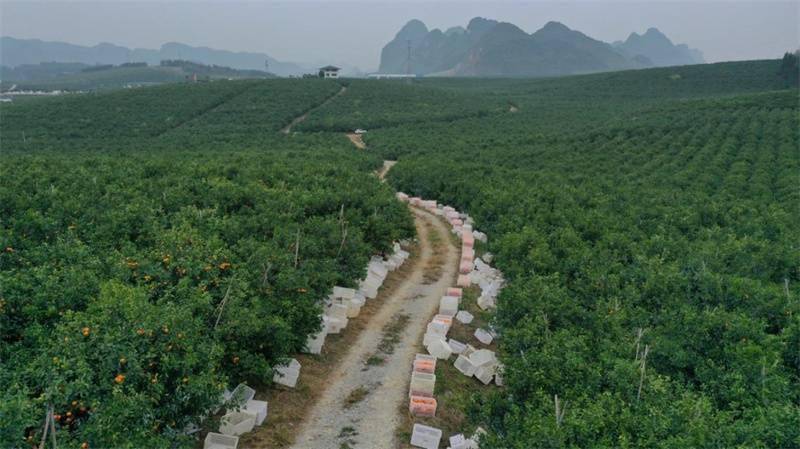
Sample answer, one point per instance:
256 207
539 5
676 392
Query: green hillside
90 78
640 209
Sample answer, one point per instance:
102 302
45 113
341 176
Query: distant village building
329 71
390 76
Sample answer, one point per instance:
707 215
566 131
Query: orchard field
646 221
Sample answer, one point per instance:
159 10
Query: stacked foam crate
480 363
458 441
245 413
287 375
435 339
346 303
423 381
490 281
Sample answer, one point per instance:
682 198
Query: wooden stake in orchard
49 425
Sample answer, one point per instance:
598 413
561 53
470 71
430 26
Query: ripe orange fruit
85 331
224 265
84 445
120 378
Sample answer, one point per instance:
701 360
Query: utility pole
408 58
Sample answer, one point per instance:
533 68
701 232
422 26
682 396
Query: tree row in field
651 251
138 280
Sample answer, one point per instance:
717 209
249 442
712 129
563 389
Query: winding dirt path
357 140
387 165
288 128
358 408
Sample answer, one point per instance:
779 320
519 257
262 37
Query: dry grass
355 397
390 337
347 433
288 408
433 270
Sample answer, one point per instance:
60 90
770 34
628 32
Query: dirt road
288 128
358 408
357 140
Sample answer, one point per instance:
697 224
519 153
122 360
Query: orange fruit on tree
119 378
85 331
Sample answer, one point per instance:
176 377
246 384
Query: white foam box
431 337
465 366
378 269
392 264
426 357
485 373
422 384
425 437
448 305
437 327
259 408
287 375
456 346
483 336
483 357
464 317
338 311
439 349
458 441
241 394
335 325
486 302
342 292
219 441
353 308
237 423
314 343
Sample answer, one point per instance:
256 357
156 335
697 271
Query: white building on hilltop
329 71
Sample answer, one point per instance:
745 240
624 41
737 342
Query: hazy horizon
353 33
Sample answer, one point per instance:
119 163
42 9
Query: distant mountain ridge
657 47
490 48
15 52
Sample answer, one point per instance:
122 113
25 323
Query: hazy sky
353 33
